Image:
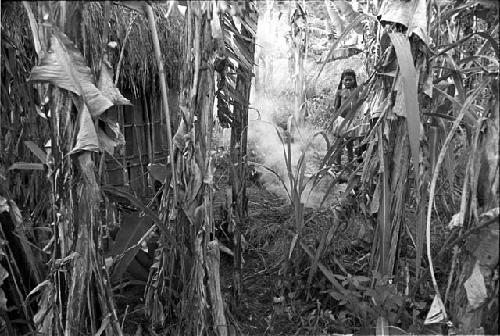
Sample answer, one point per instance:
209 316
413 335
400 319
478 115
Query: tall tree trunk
239 165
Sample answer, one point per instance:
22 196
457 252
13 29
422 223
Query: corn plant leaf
107 86
3 300
334 46
475 287
40 154
122 196
133 5
382 326
160 172
437 312
26 166
64 67
412 111
412 14
216 24
326 272
34 28
235 96
38 288
86 139
106 143
336 21
492 40
345 9
3 274
132 228
4 207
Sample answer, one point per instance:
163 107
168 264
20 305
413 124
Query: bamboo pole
163 86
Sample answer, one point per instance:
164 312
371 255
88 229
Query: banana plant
67 82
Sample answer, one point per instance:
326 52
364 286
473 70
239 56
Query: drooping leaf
412 111
382 326
109 135
475 287
34 28
345 9
350 27
86 139
412 14
437 312
326 272
106 143
107 86
215 24
160 172
3 274
26 166
120 195
133 5
235 95
132 228
65 67
337 22
4 207
3 300
40 154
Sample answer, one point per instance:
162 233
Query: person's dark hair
347 72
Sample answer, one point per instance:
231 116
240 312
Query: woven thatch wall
18 118
139 69
143 123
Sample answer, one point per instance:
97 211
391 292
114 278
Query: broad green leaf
412 14
475 287
40 154
26 166
382 326
110 135
106 143
137 6
437 312
160 172
34 29
64 67
3 300
351 26
107 86
235 95
409 78
345 9
86 139
126 246
337 22
120 195
3 274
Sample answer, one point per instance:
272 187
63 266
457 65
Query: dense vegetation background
249 224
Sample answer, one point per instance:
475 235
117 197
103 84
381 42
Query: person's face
348 82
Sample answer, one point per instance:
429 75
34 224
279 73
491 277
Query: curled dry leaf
107 86
408 13
160 172
437 312
87 139
65 67
456 221
475 287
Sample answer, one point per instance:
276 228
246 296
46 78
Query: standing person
345 89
